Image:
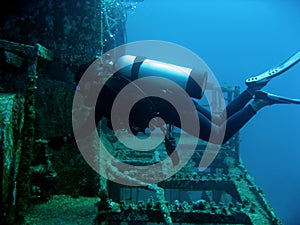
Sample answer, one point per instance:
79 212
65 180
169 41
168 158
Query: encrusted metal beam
203 184
253 196
27 51
148 213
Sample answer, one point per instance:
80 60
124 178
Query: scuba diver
237 113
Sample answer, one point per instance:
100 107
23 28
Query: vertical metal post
28 135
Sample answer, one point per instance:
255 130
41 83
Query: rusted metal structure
16 160
225 193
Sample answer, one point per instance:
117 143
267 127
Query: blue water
238 39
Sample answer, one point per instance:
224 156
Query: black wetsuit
234 117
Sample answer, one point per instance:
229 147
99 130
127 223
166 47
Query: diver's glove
57 142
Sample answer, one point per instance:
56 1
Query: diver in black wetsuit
237 113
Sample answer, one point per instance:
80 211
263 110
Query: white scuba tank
193 81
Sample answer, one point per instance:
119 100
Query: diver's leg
238 103
236 121
262 99
217 134
221 133
234 106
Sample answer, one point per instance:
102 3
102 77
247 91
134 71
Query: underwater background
239 39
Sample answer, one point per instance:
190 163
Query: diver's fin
275 99
274 72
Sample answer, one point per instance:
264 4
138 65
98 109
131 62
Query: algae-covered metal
11 124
